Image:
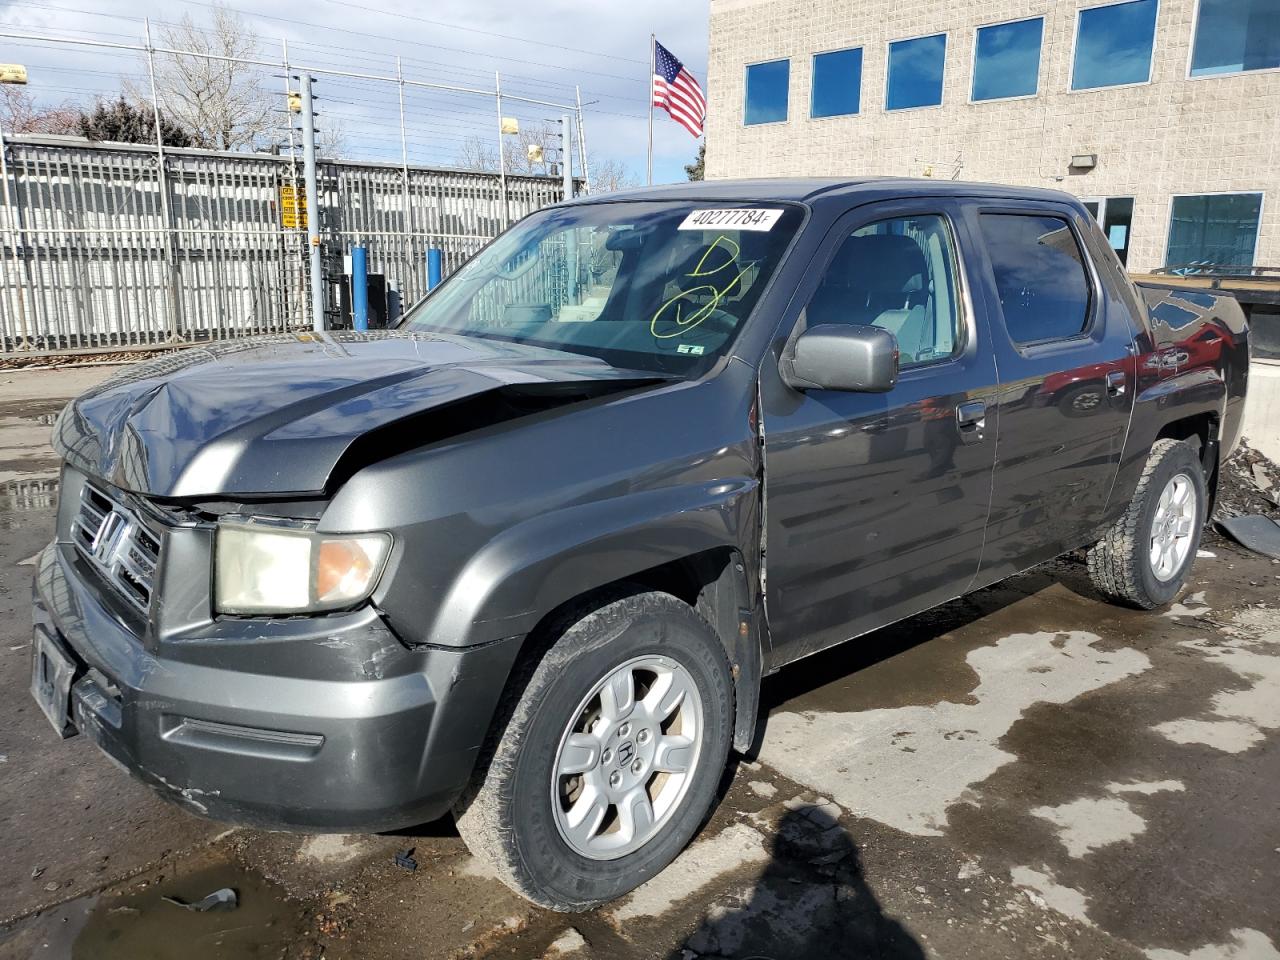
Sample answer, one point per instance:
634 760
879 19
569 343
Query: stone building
1163 114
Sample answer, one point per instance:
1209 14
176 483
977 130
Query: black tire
1120 563
506 816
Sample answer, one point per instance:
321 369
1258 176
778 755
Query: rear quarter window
1039 274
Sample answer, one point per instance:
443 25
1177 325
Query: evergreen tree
697 169
122 122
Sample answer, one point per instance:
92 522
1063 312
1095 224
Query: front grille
116 542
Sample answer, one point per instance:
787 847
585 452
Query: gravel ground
1250 483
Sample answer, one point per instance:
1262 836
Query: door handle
971 419
1115 383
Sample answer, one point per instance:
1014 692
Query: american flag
676 91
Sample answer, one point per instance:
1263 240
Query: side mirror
835 356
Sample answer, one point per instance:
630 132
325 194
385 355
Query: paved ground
1024 773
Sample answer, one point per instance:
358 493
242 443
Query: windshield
661 287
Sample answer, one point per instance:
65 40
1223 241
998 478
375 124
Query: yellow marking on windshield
730 257
684 324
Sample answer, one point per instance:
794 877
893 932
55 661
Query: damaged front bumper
325 723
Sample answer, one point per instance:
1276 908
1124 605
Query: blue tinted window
1006 60
915 72
1236 35
1113 45
1218 229
1040 276
767 85
837 83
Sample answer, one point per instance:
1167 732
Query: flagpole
653 69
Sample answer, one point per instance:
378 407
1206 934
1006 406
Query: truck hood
278 415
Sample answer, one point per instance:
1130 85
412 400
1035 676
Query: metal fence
107 246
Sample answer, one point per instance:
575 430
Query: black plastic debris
1260 534
405 859
224 899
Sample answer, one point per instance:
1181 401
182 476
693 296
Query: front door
876 504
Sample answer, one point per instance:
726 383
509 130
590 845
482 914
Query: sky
542 51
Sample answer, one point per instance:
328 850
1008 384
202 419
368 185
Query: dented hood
275 415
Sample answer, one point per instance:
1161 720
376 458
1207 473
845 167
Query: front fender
533 567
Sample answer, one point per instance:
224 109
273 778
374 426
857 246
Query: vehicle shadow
812 902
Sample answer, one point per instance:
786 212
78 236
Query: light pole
313 203
13 73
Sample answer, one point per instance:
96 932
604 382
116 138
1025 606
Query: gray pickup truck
528 556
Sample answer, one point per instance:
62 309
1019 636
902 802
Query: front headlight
263 569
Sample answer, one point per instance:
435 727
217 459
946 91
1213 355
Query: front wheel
1145 557
601 768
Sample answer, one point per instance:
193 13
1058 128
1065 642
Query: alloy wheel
627 757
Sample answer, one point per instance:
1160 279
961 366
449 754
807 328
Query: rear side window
1040 276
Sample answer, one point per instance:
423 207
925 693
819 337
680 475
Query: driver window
898 274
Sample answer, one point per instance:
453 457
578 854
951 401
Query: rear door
1063 347
876 504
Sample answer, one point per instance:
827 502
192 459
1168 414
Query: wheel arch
1203 430
1187 406
714 582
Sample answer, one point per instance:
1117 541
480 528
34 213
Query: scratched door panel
1065 394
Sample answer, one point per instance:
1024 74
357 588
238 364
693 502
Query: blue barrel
433 268
360 288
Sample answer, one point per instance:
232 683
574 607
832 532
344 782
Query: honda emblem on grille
108 537
111 538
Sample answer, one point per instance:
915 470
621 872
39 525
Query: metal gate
103 247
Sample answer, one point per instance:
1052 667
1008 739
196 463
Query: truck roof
855 190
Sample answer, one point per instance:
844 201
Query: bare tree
20 114
331 139
520 150
477 153
220 102
608 175
534 150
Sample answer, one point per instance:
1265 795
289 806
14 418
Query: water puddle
40 411
21 496
141 925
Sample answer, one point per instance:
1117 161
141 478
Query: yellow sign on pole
293 206
509 125
13 73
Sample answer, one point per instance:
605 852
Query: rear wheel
1144 558
601 768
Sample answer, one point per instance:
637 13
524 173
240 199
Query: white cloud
601 47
